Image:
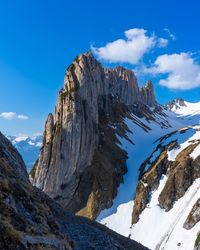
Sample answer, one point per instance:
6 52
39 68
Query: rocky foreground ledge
29 219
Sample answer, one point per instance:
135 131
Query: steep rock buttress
81 163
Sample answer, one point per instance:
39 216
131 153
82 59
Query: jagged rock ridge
176 104
81 163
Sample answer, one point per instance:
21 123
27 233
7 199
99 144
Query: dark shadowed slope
29 219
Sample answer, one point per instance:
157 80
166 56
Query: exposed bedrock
81 163
180 173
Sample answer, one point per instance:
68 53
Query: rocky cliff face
31 220
181 172
193 217
81 163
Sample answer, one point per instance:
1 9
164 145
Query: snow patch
121 224
172 154
195 153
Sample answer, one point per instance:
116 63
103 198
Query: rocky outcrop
193 217
47 141
31 220
197 242
9 154
176 104
149 181
81 163
147 93
180 173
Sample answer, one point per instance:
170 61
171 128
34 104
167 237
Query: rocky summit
81 163
31 220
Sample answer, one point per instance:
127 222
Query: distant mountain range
28 147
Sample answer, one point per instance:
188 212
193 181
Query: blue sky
39 39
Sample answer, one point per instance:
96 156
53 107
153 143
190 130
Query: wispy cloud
170 34
131 49
13 116
182 71
162 42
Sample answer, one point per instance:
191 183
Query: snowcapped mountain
28 147
165 213
187 111
176 104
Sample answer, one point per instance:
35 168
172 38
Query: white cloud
13 116
128 50
170 34
183 72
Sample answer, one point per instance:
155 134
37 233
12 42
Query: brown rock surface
181 173
82 164
193 217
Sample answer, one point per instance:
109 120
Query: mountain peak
149 84
87 56
147 93
180 101
75 146
176 104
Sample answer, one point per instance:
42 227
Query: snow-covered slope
141 147
156 228
28 147
188 111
